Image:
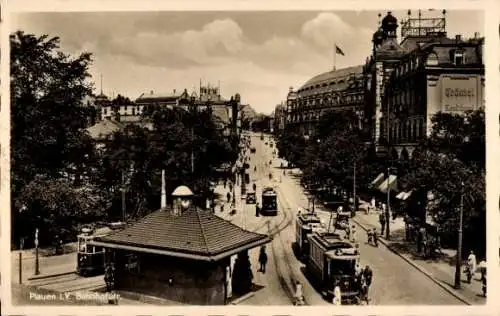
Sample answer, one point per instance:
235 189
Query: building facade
408 82
336 90
224 111
279 119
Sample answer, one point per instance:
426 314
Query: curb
418 267
242 298
46 276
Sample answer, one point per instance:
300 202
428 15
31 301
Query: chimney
174 91
476 35
458 37
151 92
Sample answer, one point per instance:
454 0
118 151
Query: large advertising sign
459 93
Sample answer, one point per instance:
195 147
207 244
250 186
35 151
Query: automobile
251 198
252 150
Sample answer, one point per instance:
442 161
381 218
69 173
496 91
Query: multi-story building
408 82
336 90
279 119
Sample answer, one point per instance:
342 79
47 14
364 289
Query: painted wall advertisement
460 93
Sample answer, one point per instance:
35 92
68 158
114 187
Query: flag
339 51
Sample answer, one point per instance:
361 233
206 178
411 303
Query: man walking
368 275
381 219
263 259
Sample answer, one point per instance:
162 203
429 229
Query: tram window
83 247
98 249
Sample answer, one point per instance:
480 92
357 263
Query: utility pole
123 196
354 187
37 259
458 263
388 209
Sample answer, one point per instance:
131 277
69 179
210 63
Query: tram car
91 259
332 262
269 202
306 223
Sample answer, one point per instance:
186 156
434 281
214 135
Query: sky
259 55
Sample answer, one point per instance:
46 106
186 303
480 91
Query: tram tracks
288 286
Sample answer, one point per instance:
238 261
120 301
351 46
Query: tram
332 262
269 202
91 259
306 223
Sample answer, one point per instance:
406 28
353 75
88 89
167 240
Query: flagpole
334 56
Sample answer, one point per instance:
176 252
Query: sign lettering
459 94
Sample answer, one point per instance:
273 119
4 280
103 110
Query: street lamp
458 262
21 246
388 209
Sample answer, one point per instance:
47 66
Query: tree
48 117
442 163
333 150
56 207
141 155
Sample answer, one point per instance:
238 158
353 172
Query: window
432 59
133 111
458 58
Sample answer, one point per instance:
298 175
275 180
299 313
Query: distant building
335 90
408 82
279 119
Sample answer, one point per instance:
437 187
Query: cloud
326 28
217 39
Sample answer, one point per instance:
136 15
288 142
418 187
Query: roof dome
389 20
378 36
182 191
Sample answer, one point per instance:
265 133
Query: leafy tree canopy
47 113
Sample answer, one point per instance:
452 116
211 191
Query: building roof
159 97
327 77
195 234
104 128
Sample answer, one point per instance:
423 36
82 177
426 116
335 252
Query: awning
378 180
391 182
403 195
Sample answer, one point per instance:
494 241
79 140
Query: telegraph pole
123 197
458 263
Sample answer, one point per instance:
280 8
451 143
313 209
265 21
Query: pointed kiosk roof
194 234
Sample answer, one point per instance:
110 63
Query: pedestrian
372 205
353 234
254 186
358 270
368 276
225 183
482 268
381 219
228 196
263 259
108 278
299 295
222 207
472 262
257 210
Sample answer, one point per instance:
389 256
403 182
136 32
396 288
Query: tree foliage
452 155
186 144
48 119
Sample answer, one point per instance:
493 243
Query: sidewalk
440 270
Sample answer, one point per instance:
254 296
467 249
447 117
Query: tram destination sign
459 93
